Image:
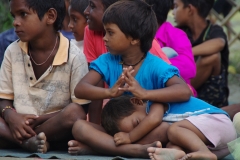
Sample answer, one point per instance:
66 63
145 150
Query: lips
19 32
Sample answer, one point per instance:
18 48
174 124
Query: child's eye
74 18
91 5
110 33
23 14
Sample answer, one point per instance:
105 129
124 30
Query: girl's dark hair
161 9
115 110
136 19
203 6
42 6
79 5
107 3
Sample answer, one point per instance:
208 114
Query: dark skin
22 129
89 143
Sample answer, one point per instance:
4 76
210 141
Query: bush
5 16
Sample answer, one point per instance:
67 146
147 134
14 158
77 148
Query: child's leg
59 127
157 134
93 136
185 135
164 153
206 66
199 133
35 144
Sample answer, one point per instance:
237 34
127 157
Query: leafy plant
5 16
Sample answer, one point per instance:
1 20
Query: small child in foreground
129 120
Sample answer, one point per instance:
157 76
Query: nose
16 22
70 25
86 11
105 38
173 11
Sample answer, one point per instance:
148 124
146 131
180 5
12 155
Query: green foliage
5 16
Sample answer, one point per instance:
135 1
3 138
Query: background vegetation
5 16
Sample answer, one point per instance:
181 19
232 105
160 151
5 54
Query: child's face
128 123
115 40
180 13
26 22
94 13
77 24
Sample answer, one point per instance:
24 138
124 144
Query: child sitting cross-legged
37 78
128 119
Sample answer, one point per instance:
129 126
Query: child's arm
87 88
209 47
151 121
176 90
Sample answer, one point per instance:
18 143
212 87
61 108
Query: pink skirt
218 129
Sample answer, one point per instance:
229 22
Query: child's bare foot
77 148
201 155
164 153
37 143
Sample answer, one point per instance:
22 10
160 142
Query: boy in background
77 24
78 21
210 49
38 76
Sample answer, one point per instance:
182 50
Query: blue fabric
6 38
192 107
152 74
170 53
68 35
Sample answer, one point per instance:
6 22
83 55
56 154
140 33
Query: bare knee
172 131
162 129
78 129
71 113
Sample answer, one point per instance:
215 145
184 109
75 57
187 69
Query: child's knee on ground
70 114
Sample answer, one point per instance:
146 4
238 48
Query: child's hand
34 122
122 138
132 85
114 91
18 127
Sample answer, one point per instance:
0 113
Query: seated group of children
48 84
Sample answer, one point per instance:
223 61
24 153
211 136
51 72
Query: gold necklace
39 64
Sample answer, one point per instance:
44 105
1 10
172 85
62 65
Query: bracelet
4 109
